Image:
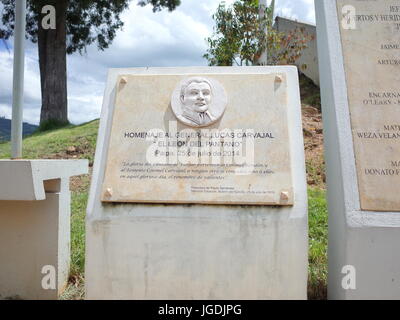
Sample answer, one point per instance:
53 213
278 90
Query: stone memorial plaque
370 32
201 138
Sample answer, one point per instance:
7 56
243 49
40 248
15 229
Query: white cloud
302 10
32 94
5 111
147 39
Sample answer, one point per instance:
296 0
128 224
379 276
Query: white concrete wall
369 241
309 56
35 225
31 238
139 251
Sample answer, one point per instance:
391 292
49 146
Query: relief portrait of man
196 97
198 101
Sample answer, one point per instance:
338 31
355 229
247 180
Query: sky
163 39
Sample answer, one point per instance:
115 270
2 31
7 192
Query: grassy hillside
78 142
72 142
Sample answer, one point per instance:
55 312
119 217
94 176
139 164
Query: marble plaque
370 32
201 138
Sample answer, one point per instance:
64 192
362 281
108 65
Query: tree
242 34
78 23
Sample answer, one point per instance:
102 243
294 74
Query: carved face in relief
201 102
196 96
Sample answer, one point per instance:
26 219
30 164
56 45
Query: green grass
55 144
78 209
318 242
75 289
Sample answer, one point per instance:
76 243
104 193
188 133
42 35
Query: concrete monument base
35 226
364 249
154 251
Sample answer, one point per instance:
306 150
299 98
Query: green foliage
236 34
241 35
52 124
88 21
158 5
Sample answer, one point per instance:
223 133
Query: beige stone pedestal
35 226
154 250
